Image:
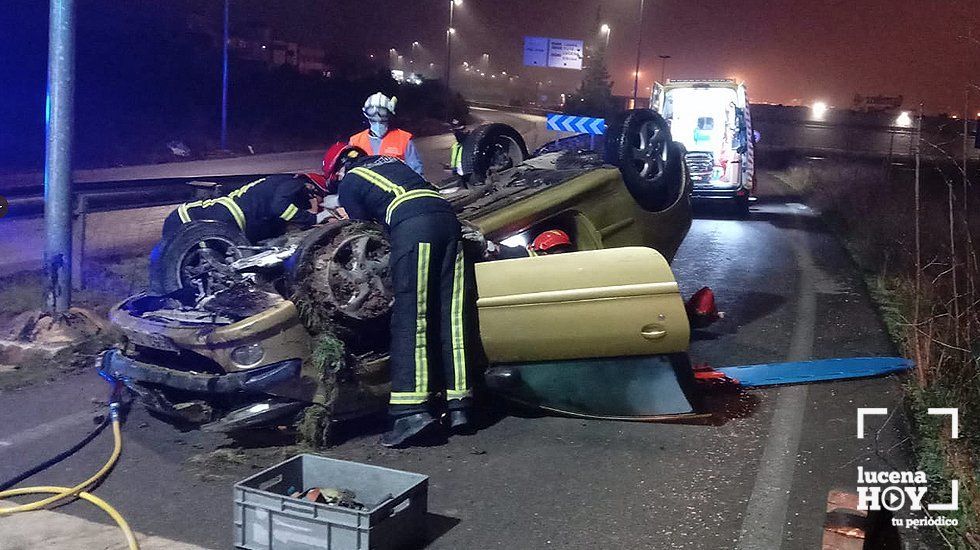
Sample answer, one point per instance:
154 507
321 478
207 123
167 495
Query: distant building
256 43
877 103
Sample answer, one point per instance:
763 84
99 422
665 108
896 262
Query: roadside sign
565 54
535 51
580 124
556 53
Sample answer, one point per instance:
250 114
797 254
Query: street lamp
639 44
819 110
663 67
224 77
606 30
450 31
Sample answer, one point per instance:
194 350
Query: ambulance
712 119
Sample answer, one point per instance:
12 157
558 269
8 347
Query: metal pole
224 80
449 43
663 68
57 158
639 43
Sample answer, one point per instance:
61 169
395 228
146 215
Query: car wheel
742 207
344 272
491 148
197 256
651 163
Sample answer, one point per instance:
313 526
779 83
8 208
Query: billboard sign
557 53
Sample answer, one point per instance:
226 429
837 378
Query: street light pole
605 29
449 40
639 44
224 80
57 155
663 68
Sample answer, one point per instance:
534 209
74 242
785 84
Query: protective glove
472 233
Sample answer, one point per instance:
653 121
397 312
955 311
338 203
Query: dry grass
927 290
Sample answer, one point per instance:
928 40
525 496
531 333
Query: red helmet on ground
335 157
550 239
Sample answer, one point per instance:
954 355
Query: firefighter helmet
378 107
319 181
337 156
550 239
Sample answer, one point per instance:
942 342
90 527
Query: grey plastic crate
266 518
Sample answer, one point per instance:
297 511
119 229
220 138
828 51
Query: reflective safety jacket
260 208
456 156
393 144
386 190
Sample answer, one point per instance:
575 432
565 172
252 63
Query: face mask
379 129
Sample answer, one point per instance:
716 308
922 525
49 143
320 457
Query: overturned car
240 335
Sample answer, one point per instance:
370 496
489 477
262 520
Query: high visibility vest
394 144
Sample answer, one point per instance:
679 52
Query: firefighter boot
461 417
413 429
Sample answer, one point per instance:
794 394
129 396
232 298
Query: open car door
600 333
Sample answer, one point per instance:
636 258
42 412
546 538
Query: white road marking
765 515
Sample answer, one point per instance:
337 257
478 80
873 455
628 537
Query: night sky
787 50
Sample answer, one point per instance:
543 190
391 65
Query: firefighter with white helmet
381 140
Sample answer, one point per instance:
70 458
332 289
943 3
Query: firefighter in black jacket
260 209
432 319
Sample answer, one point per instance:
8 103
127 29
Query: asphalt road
22 239
757 479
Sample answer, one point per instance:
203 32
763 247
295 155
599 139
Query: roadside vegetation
910 230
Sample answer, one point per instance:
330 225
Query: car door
593 334
599 303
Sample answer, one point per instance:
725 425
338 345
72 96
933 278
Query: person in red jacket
379 140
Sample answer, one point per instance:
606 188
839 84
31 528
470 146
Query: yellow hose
62 493
105 506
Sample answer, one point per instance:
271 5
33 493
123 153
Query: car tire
490 148
651 163
742 207
170 257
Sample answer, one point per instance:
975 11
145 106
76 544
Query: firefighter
260 209
456 151
552 241
433 317
378 139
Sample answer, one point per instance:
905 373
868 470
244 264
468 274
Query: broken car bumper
267 379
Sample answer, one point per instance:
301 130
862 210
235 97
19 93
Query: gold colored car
229 345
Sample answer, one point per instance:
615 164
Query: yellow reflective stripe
236 211
408 398
421 322
455 155
377 179
458 394
289 213
414 194
456 315
183 213
244 189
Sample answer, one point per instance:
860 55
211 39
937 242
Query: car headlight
247 356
